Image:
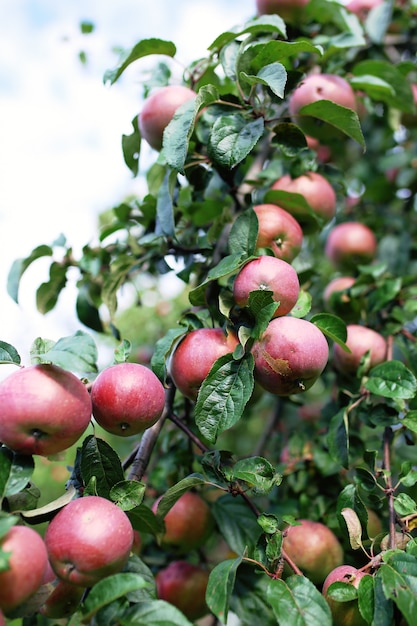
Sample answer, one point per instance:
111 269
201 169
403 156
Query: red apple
44 410
127 398
89 539
350 244
184 585
63 601
344 613
158 110
289 10
195 355
337 286
324 153
318 193
360 339
314 548
279 231
313 88
188 523
28 561
269 274
361 8
338 301
289 356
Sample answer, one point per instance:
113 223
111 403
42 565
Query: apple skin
350 244
89 539
127 399
188 523
314 548
279 231
195 355
158 110
28 562
360 339
289 356
317 191
45 410
184 585
361 8
313 88
289 10
344 613
270 274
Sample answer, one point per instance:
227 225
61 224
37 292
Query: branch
387 439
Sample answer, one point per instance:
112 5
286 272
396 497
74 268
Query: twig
388 435
183 426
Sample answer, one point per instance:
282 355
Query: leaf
228 265
244 234
392 379
410 420
344 119
162 348
232 138
15 471
220 587
297 602
273 75
114 279
236 523
332 326
46 512
154 613
257 472
366 598
109 589
349 499
77 353
400 97
165 224
354 527
171 496
337 438
128 494
144 520
404 505
9 354
223 395
269 52
378 20
101 462
19 266
131 145
262 306
399 581
303 304
48 292
143 48
262 24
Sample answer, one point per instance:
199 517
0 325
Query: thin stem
183 426
387 439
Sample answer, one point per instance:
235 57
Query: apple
158 110
350 244
269 274
337 300
63 600
314 548
184 585
188 523
318 193
360 339
289 10
127 399
89 539
323 152
44 410
28 561
361 8
313 88
344 613
279 231
289 356
194 356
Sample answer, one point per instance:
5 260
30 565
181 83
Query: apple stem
291 563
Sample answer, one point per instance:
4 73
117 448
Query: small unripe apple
279 231
44 410
184 585
188 524
360 339
269 274
350 244
289 10
344 613
314 548
159 109
127 399
28 561
89 539
289 356
195 355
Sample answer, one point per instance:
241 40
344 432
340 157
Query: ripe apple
63 601
344 613
188 523
323 152
44 410
361 8
337 299
127 398
313 88
195 355
289 10
269 274
360 339
89 539
318 193
28 561
289 356
279 231
350 244
158 110
184 585
314 548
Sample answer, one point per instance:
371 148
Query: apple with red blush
278 231
337 298
184 585
344 613
350 244
360 340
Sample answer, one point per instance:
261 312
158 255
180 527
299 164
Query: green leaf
9 354
297 602
15 471
244 234
262 24
257 472
144 520
131 147
143 48
154 613
223 395
165 224
383 606
48 292
228 265
349 498
109 589
273 75
77 353
262 306
297 205
366 598
87 311
303 304
128 494
175 492
220 587
378 20
236 523
392 379
19 266
100 462
401 96
332 326
342 592
114 279
404 505
337 438
232 138
399 581
342 118
162 348
410 421
276 50
7 521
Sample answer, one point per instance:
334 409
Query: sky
61 162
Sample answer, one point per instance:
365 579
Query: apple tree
262 457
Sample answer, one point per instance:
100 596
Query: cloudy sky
60 127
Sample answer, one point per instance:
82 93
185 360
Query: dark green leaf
243 234
332 326
392 379
262 306
171 496
383 606
9 354
144 520
277 50
108 590
297 602
344 119
349 499
337 438
273 76
131 147
128 494
100 462
48 292
165 224
232 138
228 265
220 587
404 505
114 279
143 48
15 471
257 472
236 523
20 266
154 613
87 312
366 598
399 581
162 348
401 96
410 420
